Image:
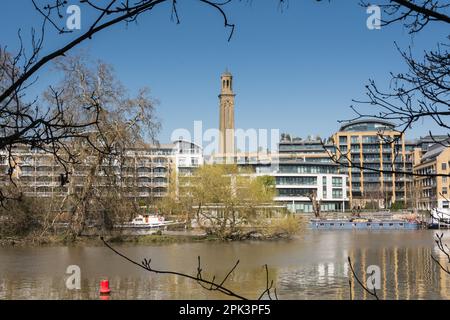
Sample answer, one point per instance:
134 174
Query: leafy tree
225 201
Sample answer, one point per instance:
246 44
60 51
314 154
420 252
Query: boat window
391 224
381 224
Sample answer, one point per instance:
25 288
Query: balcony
371 179
144 174
159 174
372 160
45 183
27 173
44 194
160 164
160 184
145 164
44 173
144 184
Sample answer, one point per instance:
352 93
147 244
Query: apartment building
305 168
142 173
376 158
301 168
432 190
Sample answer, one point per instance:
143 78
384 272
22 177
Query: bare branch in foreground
372 293
209 285
445 250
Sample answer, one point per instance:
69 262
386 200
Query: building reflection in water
406 273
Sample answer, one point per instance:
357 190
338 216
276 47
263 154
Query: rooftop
435 150
367 125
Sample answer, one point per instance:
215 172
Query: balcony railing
144 174
159 174
160 184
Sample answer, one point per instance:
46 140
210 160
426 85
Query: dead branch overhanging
445 250
372 293
210 285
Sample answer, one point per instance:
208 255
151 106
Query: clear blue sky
295 70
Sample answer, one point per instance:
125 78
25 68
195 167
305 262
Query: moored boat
364 224
148 221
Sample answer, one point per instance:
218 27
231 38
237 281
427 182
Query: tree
315 203
43 125
124 123
224 201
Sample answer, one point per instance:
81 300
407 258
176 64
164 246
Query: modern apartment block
365 149
305 167
432 190
301 169
143 173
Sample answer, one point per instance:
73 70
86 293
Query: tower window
228 83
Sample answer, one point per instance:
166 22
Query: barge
364 224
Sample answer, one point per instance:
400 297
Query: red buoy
104 287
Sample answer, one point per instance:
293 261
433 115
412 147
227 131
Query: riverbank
163 237
94 240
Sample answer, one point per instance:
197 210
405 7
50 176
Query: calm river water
311 266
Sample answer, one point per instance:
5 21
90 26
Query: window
444 190
296 180
294 192
337 193
337 182
444 179
445 204
444 166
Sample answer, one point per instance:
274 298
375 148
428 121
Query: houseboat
364 224
148 221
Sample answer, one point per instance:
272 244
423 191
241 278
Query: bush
287 225
21 217
398 205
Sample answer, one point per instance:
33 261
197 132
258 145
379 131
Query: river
313 265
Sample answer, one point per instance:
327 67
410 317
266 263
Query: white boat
147 221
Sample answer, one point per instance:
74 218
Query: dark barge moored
363 224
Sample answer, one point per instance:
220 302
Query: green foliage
223 199
398 205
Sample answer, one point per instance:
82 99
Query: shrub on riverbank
21 217
268 229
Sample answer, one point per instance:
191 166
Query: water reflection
313 266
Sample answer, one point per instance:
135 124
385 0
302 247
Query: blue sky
296 70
